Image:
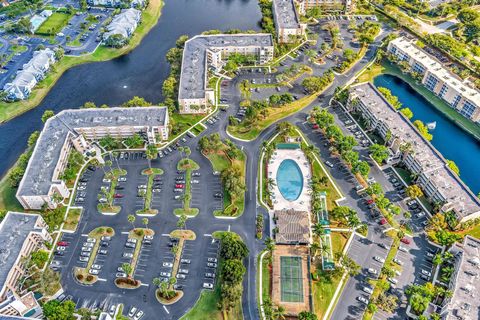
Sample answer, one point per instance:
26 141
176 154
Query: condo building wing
287 21
406 144
209 52
459 94
123 24
79 129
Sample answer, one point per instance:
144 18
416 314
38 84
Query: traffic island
147 210
127 283
107 207
82 275
168 297
187 165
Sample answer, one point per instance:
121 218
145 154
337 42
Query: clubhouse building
204 53
439 183
458 94
80 129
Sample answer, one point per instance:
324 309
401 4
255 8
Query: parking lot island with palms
270 184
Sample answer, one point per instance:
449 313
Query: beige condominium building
205 53
42 184
20 235
439 183
325 5
460 95
287 21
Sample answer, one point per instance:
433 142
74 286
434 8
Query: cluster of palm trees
272 311
131 218
164 287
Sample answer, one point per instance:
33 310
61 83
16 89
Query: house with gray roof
210 52
20 235
287 21
80 129
293 227
123 24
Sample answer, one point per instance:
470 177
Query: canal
448 138
140 73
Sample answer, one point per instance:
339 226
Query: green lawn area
371 72
149 18
332 194
266 277
73 217
8 201
54 24
198 129
183 122
323 291
247 132
339 239
405 175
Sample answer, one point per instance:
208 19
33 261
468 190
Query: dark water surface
448 138
139 73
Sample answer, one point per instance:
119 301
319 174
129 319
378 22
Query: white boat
432 125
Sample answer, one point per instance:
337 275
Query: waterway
448 138
140 73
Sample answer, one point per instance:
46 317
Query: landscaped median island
228 161
84 275
137 235
165 293
225 301
260 115
107 194
152 173
187 165
72 220
149 18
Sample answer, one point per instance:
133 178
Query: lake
448 138
140 73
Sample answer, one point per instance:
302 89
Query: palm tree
156 282
145 222
314 247
114 155
318 229
131 218
187 151
279 313
270 244
127 268
182 221
181 149
109 163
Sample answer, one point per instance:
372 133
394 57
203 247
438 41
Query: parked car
379 259
165 274
372 271
405 240
91 240
185 271
427 273
367 290
83 259
207 285
132 311
106 238
127 255
94 271
399 262
212 259
181 276
139 315
102 251
87 249
392 280
329 164
62 243
120 275
186 261
211 264
209 275
362 299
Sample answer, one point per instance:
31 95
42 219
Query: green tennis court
291 280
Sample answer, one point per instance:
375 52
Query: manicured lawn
245 132
73 217
266 275
54 24
8 201
332 194
149 18
183 122
206 307
323 291
339 239
371 72
198 129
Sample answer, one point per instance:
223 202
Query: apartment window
468 109
443 90
394 50
431 82
418 68
456 101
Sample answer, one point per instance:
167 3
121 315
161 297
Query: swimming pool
289 180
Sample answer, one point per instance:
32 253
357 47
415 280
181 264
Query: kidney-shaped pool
289 180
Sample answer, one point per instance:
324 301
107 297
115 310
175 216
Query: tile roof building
79 129
33 71
436 179
204 52
287 21
20 235
293 227
460 95
464 284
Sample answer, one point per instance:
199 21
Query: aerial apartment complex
287 21
31 73
438 182
123 24
20 235
464 285
210 52
325 5
79 129
465 99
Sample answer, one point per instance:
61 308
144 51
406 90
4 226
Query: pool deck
303 201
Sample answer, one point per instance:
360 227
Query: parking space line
166 310
145 284
101 279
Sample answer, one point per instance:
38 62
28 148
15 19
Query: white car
106 180
87 249
362 299
61 248
132 240
148 237
401 248
181 276
195 181
367 290
420 214
88 244
165 274
83 259
132 311
96 266
142 186
185 271
372 271
399 262
122 179
392 280
106 238
112 310
212 259
82 188
121 275
186 261
208 285
127 255
92 240
427 273
329 164
379 259
94 271
139 315
168 264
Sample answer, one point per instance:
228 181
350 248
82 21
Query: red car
179 186
118 195
369 201
315 126
62 243
405 240
383 221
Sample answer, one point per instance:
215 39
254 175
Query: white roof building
124 23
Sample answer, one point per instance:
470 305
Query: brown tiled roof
293 226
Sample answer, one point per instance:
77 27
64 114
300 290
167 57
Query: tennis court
291 280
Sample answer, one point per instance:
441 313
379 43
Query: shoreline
150 17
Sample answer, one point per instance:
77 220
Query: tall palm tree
131 218
314 247
145 222
114 155
318 229
152 153
270 244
